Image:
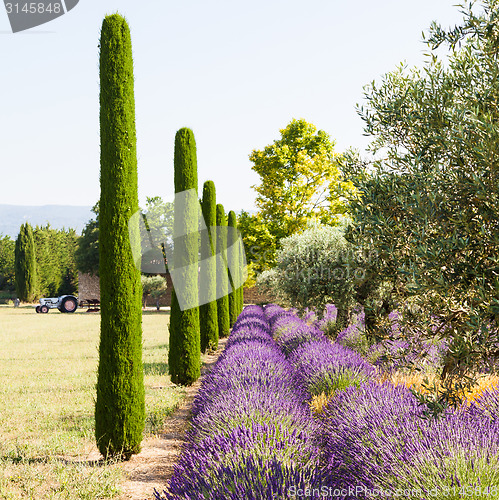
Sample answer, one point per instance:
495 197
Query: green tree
154 286
87 252
315 268
208 312
233 262
429 205
300 180
55 261
157 232
7 273
120 408
243 272
260 245
159 220
25 264
222 274
184 355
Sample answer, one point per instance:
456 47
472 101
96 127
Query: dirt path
153 466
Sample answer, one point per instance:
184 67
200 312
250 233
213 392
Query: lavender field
288 413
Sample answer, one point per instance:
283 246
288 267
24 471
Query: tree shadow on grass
21 459
155 368
160 347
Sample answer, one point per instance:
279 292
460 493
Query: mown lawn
48 365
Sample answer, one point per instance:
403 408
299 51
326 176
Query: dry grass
415 381
47 384
319 402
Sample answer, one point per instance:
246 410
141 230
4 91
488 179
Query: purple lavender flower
328 319
309 315
375 435
252 433
323 366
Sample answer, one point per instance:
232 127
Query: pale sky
234 72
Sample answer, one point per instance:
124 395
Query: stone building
88 289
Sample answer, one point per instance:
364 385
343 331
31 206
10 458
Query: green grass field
48 366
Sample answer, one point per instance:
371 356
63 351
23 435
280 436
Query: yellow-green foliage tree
301 180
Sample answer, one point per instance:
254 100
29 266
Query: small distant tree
222 274
153 286
242 273
87 252
25 264
7 257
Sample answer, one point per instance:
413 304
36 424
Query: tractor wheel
37 309
68 305
44 309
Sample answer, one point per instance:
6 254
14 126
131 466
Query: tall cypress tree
119 409
241 277
233 261
222 274
25 264
184 355
208 316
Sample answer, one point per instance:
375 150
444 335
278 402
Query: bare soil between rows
153 467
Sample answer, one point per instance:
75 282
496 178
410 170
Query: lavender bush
320 365
324 367
375 436
252 434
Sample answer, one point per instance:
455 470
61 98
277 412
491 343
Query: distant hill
58 216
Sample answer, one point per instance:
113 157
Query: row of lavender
374 436
254 437
252 433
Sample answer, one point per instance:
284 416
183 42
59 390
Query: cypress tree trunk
233 261
25 264
119 409
222 274
184 355
208 316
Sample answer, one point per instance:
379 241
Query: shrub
320 365
314 268
375 435
155 286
